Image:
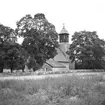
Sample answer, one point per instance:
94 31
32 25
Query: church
61 61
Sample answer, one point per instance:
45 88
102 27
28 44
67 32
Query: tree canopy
13 58
39 23
40 39
10 51
87 50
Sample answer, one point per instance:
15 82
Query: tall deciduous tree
40 39
6 35
10 52
13 58
87 50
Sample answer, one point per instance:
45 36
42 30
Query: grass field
65 90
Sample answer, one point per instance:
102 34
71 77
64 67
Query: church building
61 61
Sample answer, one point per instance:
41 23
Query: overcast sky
77 15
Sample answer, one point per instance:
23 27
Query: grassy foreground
66 90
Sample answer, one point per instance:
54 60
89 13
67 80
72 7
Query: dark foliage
10 51
40 39
87 50
13 58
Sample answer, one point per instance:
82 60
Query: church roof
55 64
64 31
61 56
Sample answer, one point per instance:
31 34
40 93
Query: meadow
65 90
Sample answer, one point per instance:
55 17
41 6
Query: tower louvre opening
64 35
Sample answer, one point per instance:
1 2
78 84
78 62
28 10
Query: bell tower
64 35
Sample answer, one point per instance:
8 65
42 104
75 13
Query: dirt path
47 76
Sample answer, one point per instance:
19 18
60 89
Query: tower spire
64 35
63 25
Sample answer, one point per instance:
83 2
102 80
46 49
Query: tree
7 34
40 39
87 50
39 23
13 58
10 52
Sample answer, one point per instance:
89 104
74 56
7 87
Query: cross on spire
63 25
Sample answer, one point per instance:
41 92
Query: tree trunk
1 68
23 67
11 69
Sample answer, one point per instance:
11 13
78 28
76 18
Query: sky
77 15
